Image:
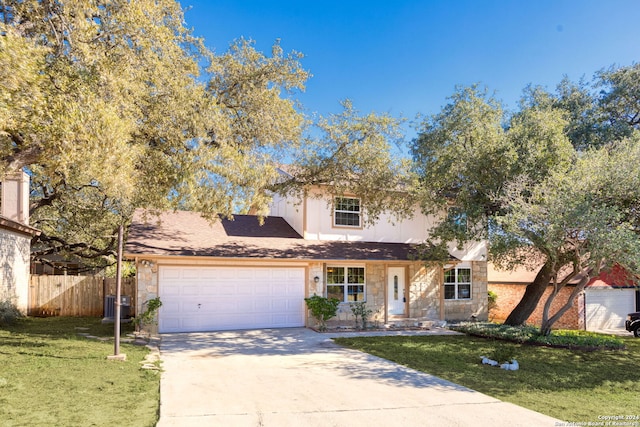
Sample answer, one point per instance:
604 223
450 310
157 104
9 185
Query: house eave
17 227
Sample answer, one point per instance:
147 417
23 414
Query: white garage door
226 298
608 308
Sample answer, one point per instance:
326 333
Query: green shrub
360 310
148 317
322 309
9 313
492 302
531 335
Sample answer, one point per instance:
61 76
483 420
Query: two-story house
238 274
15 239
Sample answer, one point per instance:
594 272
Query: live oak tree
354 153
103 103
578 221
598 117
530 184
466 154
111 105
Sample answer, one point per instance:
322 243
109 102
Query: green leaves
353 154
555 183
102 102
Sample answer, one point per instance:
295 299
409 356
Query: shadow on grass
542 369
18 342
64 327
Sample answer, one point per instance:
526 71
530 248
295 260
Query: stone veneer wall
147 281
375 277
478 304
424 292
424 295
14 258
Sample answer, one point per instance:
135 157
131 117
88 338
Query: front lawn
572 385
50 376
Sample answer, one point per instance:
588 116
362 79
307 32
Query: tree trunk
531 297
547 324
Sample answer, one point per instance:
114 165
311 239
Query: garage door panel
170 307
189 323
190 290
283 304
189 308
226 298
264 289
263 306
166 274
280 274
607 308
172 323
226 305
244 291
190 273
215 290
170 290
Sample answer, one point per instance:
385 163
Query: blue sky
405 57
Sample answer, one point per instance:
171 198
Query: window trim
335 210
345 284
456 284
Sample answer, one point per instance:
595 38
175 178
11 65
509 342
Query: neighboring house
237 274
15 240
604 303
56 265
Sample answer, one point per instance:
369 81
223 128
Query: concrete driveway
297 377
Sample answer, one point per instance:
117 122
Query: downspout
442 293
386 294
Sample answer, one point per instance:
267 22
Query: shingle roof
189 234
616 277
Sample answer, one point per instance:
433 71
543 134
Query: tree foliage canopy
89 105
353 154
555 183
113 104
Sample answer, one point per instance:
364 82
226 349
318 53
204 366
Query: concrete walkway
297 377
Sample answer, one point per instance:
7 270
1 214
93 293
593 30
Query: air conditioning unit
110 307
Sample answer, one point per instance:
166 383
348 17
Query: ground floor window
457 283
346 283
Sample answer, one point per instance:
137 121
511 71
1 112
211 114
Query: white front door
395 290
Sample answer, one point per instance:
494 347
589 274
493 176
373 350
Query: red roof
616 277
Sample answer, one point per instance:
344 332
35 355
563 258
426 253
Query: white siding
319 226
14 257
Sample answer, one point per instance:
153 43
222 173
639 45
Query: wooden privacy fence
74 295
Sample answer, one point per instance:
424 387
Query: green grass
571 385
50 376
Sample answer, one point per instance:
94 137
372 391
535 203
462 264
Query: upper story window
346 212
457 283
